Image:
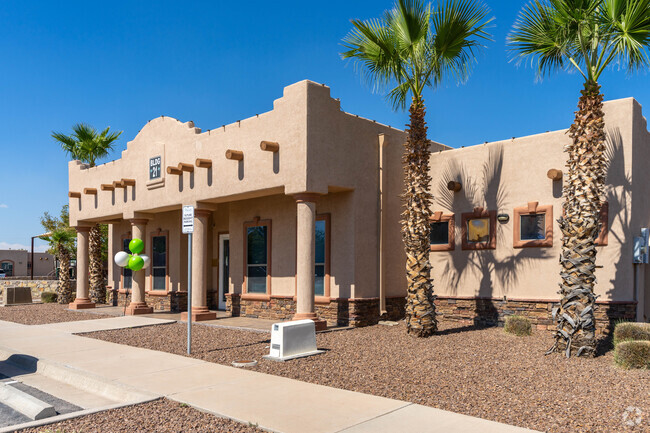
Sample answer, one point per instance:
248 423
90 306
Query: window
127 274
8 268
322 270
159 262
441 232
533 226
258 252
479 229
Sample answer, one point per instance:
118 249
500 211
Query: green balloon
136 263
136 246
127 263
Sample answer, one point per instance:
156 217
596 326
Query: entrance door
224 269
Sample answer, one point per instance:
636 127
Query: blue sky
122 63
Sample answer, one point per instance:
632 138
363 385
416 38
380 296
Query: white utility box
295 339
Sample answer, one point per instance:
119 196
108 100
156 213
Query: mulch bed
41 314
479 372
159 416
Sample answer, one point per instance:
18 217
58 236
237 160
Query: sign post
188 228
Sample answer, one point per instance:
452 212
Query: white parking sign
188 219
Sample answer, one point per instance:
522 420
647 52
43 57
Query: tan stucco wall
44 263
328 151
507 174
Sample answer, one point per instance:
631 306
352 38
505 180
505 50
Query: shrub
631 331
48 297
518 325
633 354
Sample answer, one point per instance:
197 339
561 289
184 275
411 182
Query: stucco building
18 263
297 215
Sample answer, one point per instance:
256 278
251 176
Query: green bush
518 325
48 297
631 331
633 354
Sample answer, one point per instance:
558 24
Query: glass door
224 269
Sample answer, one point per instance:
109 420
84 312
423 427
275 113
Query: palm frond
458 30
414 47
627 24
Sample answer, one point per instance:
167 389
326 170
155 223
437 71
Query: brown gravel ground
479 372
40 314
160 416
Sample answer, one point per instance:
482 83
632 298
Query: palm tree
585 36
88 145
415 46
60 240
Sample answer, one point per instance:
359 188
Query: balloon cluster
135 261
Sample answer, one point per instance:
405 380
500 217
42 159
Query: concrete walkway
274 403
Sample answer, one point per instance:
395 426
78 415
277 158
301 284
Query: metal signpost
188 228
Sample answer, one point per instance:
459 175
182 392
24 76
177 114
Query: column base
137 308
199 314
321 324
81 304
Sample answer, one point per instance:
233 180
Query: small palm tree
414 47
88 145
60 241
584 36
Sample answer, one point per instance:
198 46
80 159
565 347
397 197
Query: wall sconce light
503 218
454 186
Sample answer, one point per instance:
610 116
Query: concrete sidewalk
274 403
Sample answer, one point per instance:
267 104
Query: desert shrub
633 354
631 331
48 297
518 325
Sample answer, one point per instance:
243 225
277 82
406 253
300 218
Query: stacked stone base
337 312
174 302
470 311
492 312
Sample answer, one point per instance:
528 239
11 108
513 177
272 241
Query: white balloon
121 258
147 261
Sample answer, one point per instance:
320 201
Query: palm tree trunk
580 226
64 290
95 274
420 310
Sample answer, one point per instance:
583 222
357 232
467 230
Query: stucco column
200 268
138 304
82 301
305 259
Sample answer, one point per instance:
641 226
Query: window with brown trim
479 229
442 230
533 226
322 257
257 257
159 261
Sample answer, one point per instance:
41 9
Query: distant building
18 263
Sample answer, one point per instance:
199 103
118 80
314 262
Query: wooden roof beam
236 155
90 191
74 194
182 166
270 146
203 163
107 187
174 170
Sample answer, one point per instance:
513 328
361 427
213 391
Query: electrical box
641 247
295 339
